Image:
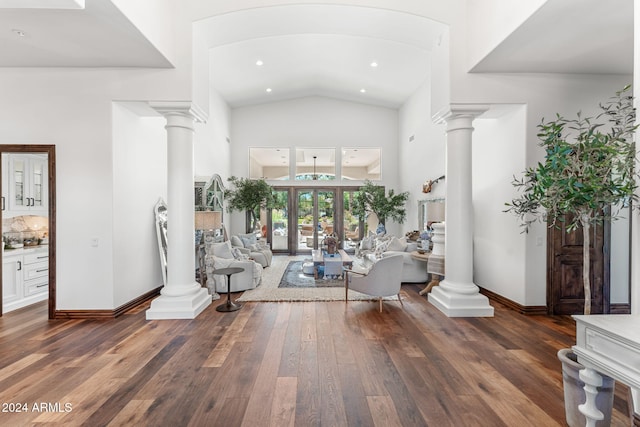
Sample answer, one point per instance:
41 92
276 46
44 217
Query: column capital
457 111
182 108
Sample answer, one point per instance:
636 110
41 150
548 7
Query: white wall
72 108
212 151
315 122
491 21
139 180
498 245
423 158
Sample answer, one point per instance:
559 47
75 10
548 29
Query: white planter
574 391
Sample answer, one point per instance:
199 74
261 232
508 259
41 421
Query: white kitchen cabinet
27 183
25 277
11 279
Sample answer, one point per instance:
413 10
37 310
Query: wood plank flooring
288 364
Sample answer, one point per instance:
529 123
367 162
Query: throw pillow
222 250
237 254
248 239
236 241
382 246
366 244
396 244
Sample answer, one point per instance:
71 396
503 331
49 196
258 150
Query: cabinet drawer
37 257
35 270
33 287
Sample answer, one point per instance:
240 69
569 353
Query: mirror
160 211
213 194
315 164
361 164
269 163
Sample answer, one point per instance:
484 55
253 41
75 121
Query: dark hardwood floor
285 364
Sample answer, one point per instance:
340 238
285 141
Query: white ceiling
569 36
96 36
322 49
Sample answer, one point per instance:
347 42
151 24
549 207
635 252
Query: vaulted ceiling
321 49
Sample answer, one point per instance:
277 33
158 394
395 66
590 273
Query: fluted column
182 297
457 295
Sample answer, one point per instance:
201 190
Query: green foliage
588 167
588 171
372 198
250 195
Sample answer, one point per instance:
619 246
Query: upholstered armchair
382 280
221 255
249 245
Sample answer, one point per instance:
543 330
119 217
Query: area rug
293 277
268 291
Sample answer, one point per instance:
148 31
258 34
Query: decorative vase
381 229
574 391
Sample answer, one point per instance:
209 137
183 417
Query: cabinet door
11 279
5 181
18 190
38 183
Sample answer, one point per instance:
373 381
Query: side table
230 305
435 281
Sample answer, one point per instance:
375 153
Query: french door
309 215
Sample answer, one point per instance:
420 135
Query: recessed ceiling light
363 90
259 62
269 89
18 32
374 64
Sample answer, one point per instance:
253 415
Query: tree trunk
586 243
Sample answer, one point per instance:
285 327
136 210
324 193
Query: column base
179 307
458 305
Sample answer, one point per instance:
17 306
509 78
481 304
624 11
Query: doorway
565 291
27 220
307 215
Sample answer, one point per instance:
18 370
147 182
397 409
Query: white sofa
413 271
221 255
249 245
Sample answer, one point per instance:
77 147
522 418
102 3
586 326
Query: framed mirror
269 163
160 211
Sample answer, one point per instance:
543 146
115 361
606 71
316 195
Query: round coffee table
230 305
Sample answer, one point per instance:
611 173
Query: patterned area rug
268 291
293 277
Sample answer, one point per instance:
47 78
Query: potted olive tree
249 195
374 198
587 174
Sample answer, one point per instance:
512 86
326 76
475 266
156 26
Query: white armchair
249 245
220 255
382 280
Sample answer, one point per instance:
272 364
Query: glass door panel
279 227
306 220
19 175
353 226
326 213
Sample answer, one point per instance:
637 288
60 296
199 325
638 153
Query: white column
182 297
457 295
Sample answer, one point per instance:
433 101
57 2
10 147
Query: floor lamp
208 222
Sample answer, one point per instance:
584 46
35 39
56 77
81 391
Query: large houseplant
374 198
249 195
588 172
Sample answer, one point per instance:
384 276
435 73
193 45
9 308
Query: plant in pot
374 198
250 195
587 175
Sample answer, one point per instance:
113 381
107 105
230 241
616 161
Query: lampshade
435 212
208 220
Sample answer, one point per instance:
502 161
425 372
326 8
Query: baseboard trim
108 314
529 310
